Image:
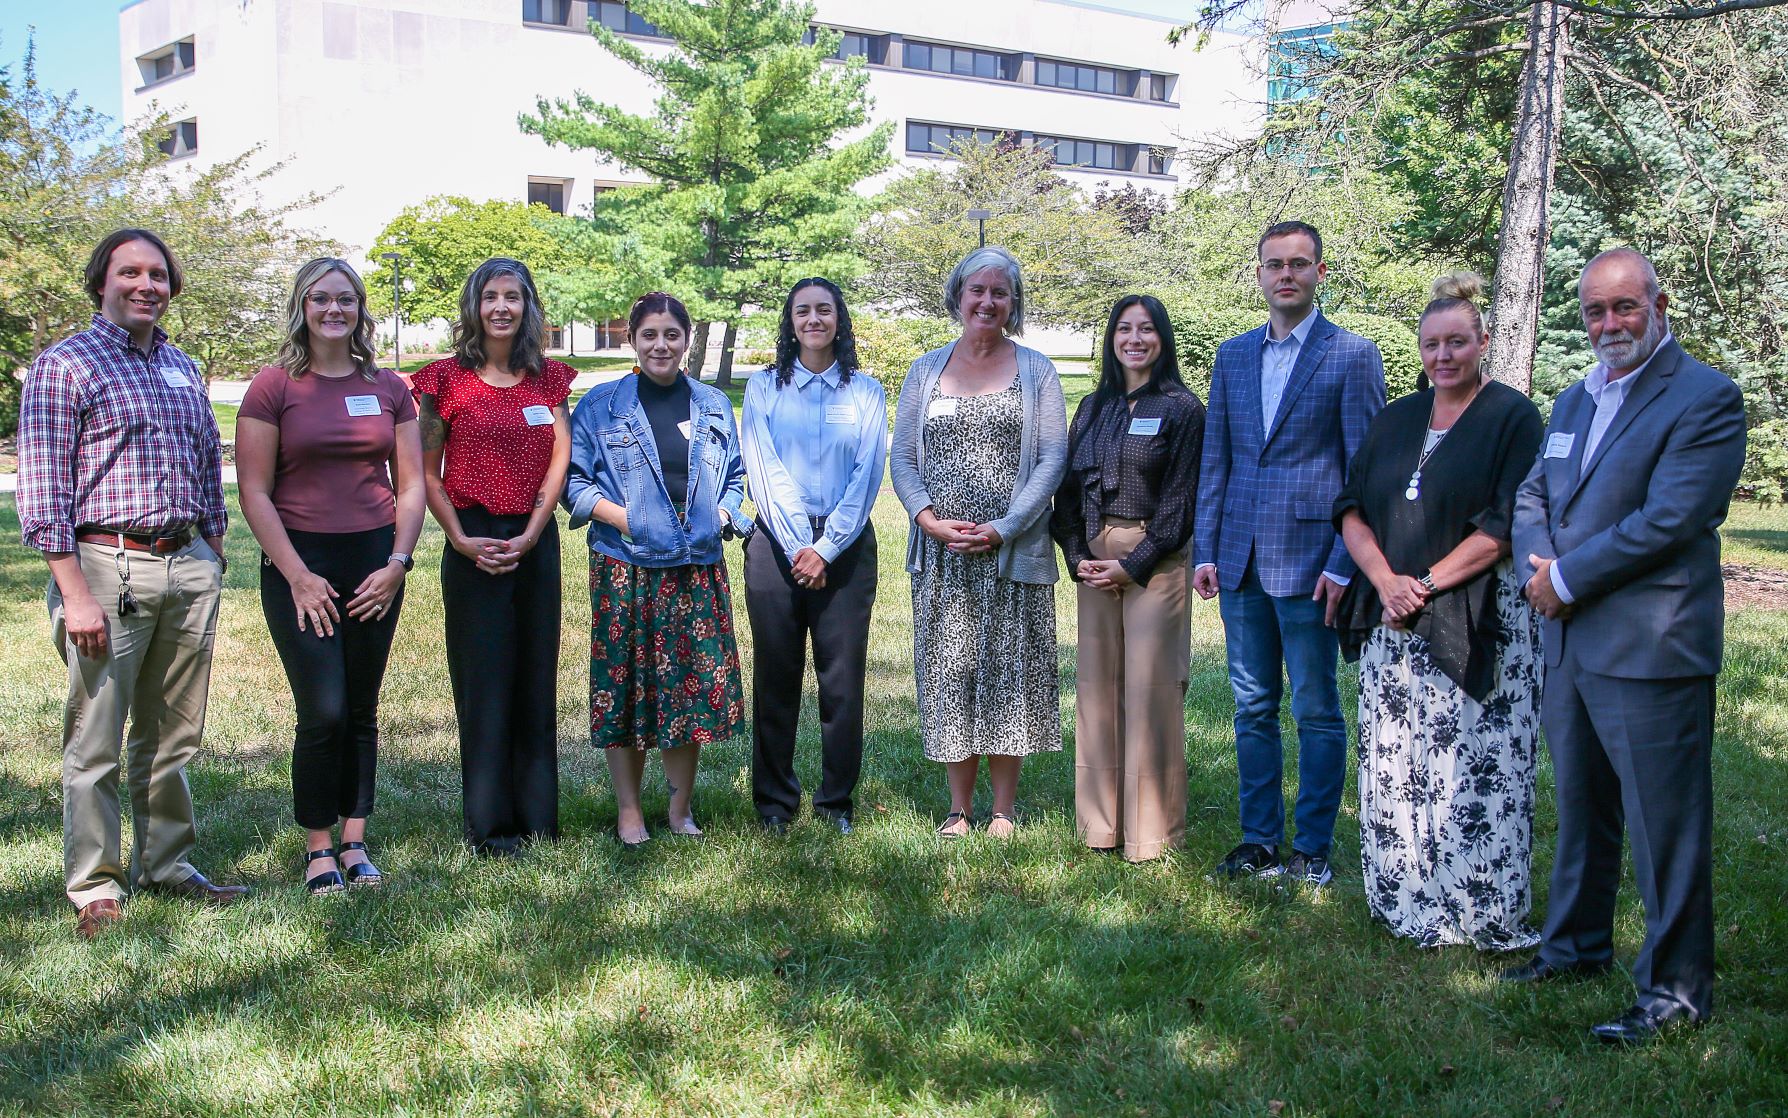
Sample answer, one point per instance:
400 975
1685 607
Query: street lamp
981 217
396 261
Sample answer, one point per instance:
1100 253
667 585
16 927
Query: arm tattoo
434 428
540 499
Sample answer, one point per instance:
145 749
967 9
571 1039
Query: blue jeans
1266 635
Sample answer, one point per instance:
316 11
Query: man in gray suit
1616 531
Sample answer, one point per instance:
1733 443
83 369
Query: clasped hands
1402 598
963 536
493 556
1541 594
314 598
1103 574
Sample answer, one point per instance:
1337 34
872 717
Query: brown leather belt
134 541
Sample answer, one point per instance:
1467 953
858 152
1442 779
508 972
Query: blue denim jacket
613 456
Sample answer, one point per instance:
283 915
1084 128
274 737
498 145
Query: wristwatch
409 563
1427 580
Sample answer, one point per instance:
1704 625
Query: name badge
942 406
684 427
841 413
1559 443
364 405
174 378
537 415
1146 426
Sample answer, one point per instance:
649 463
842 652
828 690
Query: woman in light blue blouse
815 442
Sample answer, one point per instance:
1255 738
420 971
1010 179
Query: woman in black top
1449 687
1122 516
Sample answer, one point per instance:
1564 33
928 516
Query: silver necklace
1414 490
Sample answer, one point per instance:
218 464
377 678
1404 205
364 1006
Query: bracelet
1427 580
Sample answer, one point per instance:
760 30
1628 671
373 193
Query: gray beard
1629 352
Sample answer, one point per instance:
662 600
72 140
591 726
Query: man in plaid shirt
120 487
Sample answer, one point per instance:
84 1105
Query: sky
77 41
77 46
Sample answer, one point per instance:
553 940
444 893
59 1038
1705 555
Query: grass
881 974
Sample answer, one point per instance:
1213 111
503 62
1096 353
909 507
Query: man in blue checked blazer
1290 404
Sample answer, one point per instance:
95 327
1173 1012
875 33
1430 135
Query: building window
1106 156
549 193
938 139
960 61
555 337
557 13
1086 79
181 140
1160 161
1157 87
1292 56
856 44
616 16
169 62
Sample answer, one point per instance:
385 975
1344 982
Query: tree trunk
698 349
1521 256
724 375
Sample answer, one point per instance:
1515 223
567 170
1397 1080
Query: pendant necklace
1414 490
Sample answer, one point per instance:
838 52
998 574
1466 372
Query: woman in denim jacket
655 472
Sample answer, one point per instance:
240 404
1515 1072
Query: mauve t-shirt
336 438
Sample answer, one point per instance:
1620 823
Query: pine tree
751 187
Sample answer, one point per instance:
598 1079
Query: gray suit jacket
1027 555
1635 529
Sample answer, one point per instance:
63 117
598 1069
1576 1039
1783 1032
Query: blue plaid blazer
1270 496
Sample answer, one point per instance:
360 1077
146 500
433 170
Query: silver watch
404 558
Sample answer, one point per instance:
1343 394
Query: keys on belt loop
127 601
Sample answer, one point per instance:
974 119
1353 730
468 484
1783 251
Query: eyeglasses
1271 267
322 302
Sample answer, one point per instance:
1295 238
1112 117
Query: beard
1623 350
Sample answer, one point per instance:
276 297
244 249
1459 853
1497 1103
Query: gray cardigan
1026 554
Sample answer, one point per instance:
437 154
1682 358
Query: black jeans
335 679
503 658
782 617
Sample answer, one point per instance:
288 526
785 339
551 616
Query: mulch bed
1755 587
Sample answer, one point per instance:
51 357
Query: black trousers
503 659
335 679
782 617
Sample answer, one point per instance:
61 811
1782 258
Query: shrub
888 346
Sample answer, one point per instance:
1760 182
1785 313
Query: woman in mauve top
329 469
495 439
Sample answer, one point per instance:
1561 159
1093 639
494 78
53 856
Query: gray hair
987 256
1646 268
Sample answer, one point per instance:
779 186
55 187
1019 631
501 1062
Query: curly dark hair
788 347
527 353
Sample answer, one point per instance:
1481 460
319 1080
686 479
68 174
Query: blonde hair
294 353
1457 290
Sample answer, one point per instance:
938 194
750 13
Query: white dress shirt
1608 395
814 447
1278 356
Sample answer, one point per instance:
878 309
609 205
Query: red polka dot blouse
499 440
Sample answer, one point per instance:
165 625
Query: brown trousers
1130 722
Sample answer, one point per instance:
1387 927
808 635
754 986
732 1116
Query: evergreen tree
751 186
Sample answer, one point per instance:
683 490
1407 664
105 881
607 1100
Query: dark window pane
1045 73
1085 79
614 16
638 26
986 65
1104 155
918 138
1158 86
186 55
962 62
918 56
1083 152
1107 81
531 10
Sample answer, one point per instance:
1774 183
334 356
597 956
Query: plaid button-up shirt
113 437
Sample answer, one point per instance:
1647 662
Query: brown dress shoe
196 888
95 917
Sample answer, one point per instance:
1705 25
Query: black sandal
363 874
944 828
323 883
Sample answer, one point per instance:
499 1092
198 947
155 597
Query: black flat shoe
362 874
774 824
1537 969
324 883
1639 1026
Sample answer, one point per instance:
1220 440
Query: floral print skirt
664 666
1447 786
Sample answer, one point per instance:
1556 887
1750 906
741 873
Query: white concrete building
382 103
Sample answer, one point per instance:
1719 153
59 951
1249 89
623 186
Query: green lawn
881 974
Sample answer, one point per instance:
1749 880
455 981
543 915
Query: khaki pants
156 670
1130 723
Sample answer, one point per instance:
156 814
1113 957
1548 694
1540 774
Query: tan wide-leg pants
156 671
1130 722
